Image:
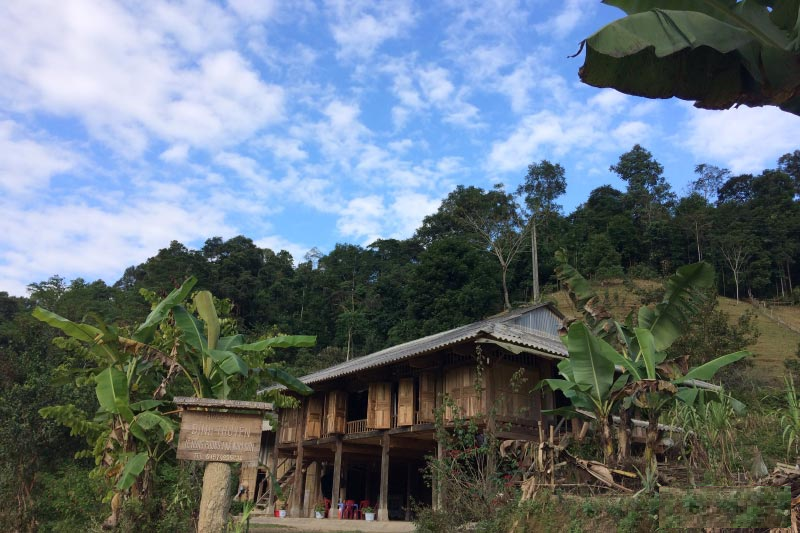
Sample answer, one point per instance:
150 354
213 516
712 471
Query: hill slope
779 327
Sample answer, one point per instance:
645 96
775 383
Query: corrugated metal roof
500 327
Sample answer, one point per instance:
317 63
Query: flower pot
277 513
319 514
369 517
282 513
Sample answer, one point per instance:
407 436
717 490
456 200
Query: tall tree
543 183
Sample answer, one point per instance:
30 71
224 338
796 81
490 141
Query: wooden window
314 417
335 417
405 402
379 406
427 396
289 422
460 386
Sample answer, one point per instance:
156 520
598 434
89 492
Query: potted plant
280 508
319 510
369 513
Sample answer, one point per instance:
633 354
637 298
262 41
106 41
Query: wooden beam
408 491
337 477
437 489
383 498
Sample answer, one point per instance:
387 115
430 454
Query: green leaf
647 345
284 341
191 329
145 405
148 420
688 395
591 360
555 384
144 333
669 319
81 332
289 381
112 392
205 308
133 468
707 370
229 362
231 342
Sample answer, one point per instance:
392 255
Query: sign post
219 432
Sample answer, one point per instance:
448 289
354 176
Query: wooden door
336 415
427 396
405 402
314 417
379 406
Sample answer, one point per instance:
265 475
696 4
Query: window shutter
427 396
335 417
314 417
405 402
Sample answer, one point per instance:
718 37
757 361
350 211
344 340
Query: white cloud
582 127
407 211
255 10
27 165
120 73
93 241
276 243
284 148
744 140
565 21
177 153
361 27
362 218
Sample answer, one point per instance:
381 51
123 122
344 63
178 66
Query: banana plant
647 380
210 362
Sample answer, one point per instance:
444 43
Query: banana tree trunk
216 498
651 440
624 436
606 439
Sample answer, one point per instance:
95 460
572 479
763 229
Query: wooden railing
357 426
420 418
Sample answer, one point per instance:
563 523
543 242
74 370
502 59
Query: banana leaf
133 468
204 303
289 381
667 48
144 333
112 392
191 329
284 341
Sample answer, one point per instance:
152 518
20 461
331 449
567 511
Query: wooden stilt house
364 433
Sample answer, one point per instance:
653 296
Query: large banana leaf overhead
717 53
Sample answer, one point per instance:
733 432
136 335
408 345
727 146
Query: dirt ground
270 524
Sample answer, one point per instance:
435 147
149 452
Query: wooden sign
220 437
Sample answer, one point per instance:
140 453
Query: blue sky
125 125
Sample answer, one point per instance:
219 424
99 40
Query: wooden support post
552 459
337 477
408 491
273 478
383 498
437 485
296 510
